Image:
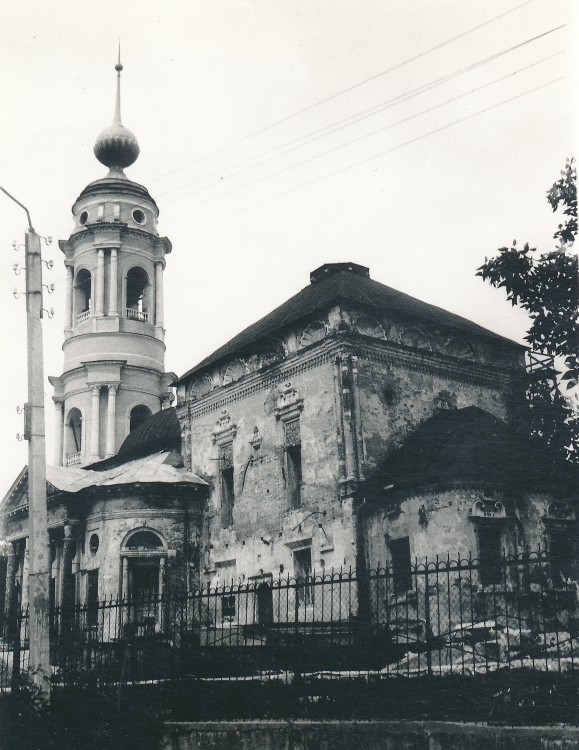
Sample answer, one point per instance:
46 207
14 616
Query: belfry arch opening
73 437
138 415
83 294
138 294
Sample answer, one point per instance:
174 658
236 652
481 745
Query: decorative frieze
314 332
379 351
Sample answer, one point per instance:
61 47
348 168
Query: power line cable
380 154
315 135
368 135
323 177
353 87
333 96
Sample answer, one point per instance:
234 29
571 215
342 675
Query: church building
123 513
353 427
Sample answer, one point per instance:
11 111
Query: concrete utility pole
38 549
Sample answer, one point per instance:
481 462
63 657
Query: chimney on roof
329 269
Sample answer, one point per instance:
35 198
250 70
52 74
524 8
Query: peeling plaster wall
390 377
395 398
114 519
437 523
265 531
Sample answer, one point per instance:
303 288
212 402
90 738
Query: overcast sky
279 135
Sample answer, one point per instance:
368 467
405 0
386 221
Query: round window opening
83 218
139 216
93 544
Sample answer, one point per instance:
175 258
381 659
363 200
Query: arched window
143 558
144 540
83 294
73 436
138 416
138 294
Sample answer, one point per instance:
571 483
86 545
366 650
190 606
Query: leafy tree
546 286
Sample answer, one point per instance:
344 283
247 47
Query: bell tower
113 374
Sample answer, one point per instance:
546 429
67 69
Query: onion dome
159 432
116 147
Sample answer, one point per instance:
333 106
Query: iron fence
438 617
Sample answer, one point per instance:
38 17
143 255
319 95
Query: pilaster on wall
350 432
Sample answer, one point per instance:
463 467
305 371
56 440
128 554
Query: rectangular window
490 542
303 572
294 475
92 597
401 566
228 607
293 463
226 477
227 496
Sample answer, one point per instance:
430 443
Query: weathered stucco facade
353 427
294 422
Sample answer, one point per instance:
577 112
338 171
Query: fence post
427 621
16 647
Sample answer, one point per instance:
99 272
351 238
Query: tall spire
116 147
118 68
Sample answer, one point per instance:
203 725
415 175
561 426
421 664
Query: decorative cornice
139 513
374 350
124 231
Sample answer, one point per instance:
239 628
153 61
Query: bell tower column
68 303
95 422
100 284
113 288
159 302
58 431
111 421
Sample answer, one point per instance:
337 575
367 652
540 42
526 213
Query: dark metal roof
160 431
348 282
118 185
465 447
